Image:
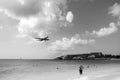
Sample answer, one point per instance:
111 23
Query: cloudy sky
73 26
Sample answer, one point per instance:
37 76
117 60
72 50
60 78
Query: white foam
81 78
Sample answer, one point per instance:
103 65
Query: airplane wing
43 39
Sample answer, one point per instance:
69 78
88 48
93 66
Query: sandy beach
59 70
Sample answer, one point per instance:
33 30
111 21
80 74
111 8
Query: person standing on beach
81 70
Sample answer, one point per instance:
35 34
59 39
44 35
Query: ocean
59 69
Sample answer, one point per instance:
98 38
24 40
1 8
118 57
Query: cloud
115 10
22 2
9 14
106 31
67 43
69 16
113 26
38 18
1 27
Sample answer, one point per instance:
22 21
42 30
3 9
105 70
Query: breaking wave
81 78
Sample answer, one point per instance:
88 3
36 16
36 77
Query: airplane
43 39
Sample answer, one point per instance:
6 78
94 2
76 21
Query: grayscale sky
73 26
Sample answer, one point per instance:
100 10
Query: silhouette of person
81 69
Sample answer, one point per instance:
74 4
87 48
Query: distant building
91 57
97 54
